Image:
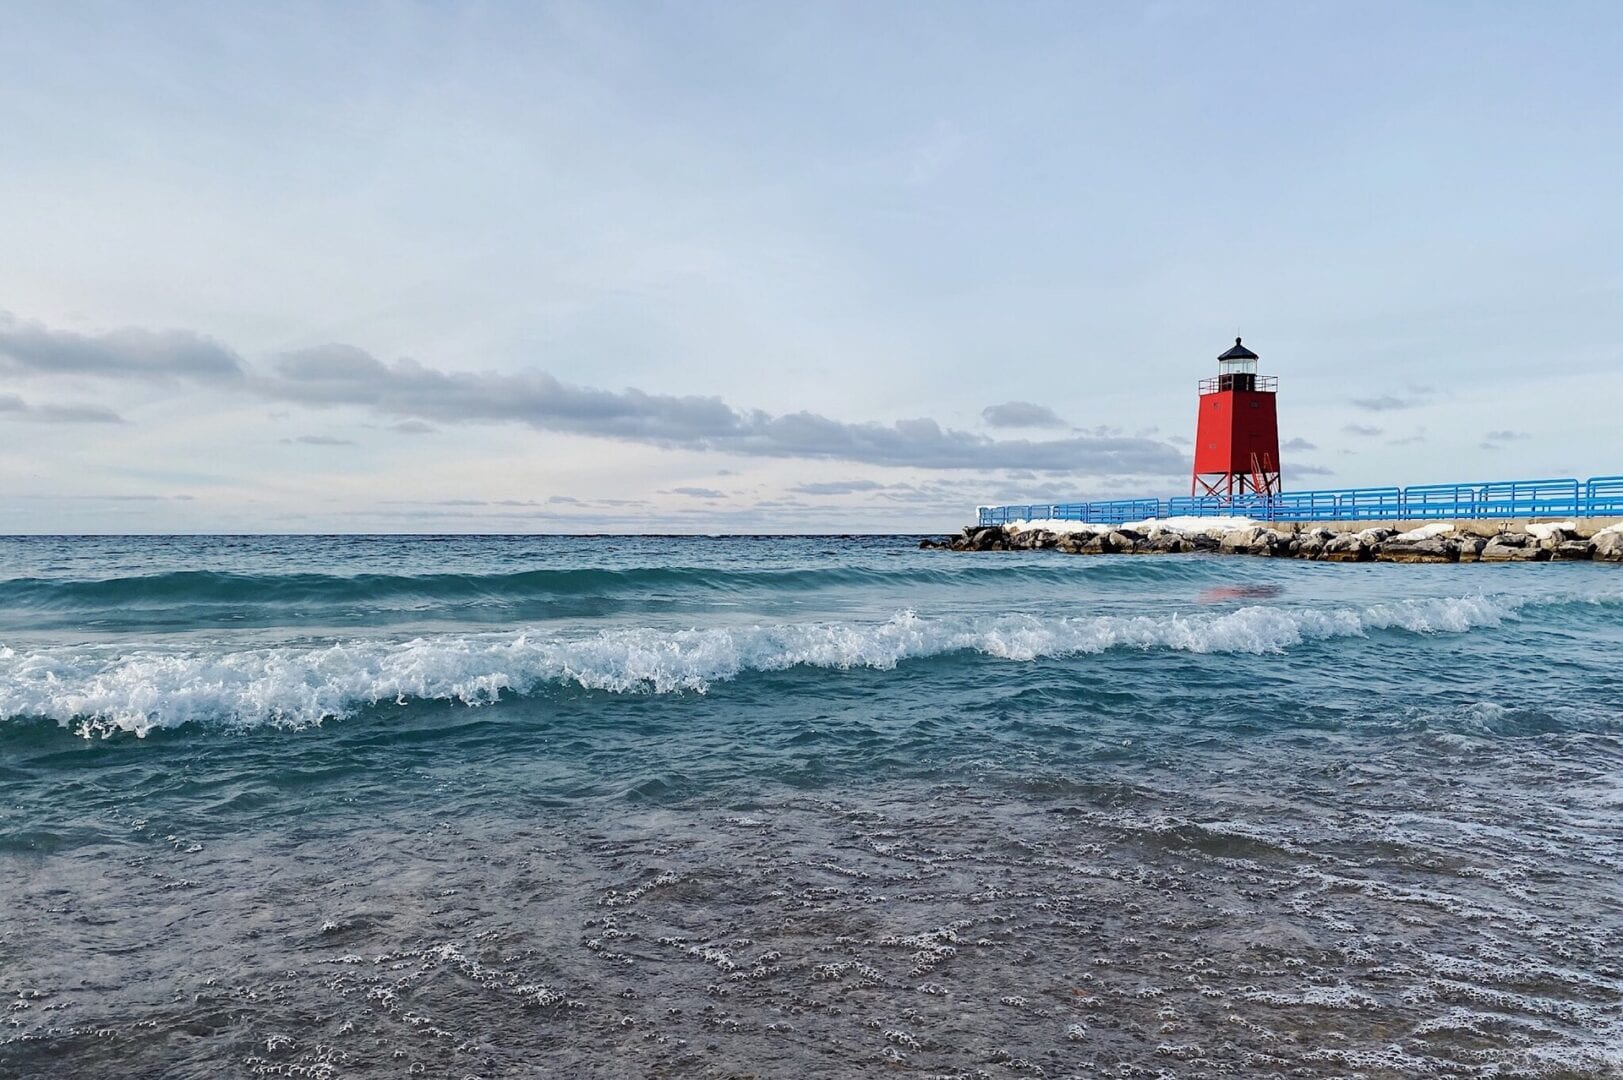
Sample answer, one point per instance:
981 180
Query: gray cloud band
335 375
29 348
1018 414
341 375
17 409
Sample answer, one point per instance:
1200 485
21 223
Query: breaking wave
102 690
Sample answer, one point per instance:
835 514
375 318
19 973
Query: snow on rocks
1426 532
1549 529
1436 542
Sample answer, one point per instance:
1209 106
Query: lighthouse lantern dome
1237 361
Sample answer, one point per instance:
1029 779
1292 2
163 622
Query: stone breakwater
1464 542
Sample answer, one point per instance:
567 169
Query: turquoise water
802 807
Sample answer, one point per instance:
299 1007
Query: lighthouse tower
1237 435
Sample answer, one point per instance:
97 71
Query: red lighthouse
1237 436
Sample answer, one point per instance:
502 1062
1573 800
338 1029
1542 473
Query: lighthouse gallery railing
1601 496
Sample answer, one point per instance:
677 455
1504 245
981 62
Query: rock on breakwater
1560 541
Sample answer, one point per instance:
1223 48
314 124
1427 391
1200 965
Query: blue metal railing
1100 513
1601 496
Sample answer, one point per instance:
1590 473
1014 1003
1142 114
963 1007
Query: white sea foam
101 690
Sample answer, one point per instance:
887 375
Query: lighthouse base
1231 485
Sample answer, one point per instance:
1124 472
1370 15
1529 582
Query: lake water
600 807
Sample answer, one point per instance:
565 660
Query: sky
729 267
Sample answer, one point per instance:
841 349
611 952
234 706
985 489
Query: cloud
169 476
417 396
698 492
1020 414
1298 444
29 348
414 427
338 375
320 440
1496 440
1361 429
1310 470
1386 403
837 487
15 408
123 498
1418 396
460 502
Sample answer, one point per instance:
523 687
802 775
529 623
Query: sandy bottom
1031 928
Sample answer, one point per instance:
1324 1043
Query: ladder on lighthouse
1260 484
